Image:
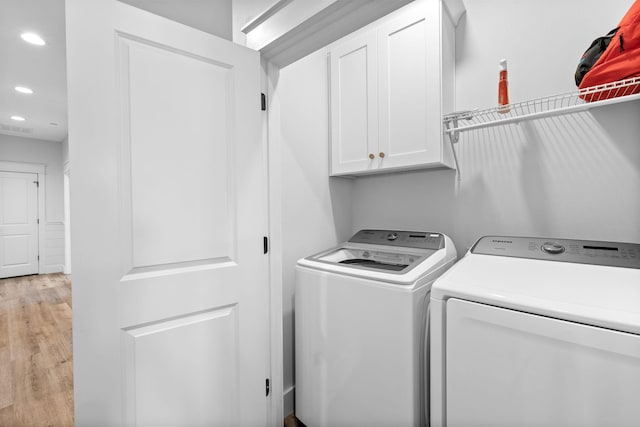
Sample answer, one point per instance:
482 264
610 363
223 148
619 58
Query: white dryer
537 332
360 325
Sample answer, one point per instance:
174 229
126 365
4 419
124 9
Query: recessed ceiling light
33 39
18 118
23 89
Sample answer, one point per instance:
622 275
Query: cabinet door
409 115
354 105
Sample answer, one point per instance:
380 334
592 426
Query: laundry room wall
48 153
316 211
576 176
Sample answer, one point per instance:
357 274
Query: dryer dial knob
553 248
392 236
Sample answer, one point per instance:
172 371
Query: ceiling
41 68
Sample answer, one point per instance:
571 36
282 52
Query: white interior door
18 224
170 280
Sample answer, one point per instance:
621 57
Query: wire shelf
577 100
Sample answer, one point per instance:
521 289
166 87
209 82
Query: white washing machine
360 325
537 332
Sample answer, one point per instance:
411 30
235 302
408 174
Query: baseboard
288 398
53 268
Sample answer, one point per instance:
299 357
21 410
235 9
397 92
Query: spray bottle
503 89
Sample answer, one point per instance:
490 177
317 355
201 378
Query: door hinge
267 387
38 220
38 257
265 244
263 102
37 183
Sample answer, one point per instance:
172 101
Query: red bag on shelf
620 60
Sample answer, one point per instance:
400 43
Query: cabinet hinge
267 387
263 102
38 257
37 183
38 220
265 244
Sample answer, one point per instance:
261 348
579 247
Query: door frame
271 140
66 169
40 170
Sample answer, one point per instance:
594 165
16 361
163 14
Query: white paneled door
18 224
170 279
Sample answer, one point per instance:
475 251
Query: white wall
576 176
213 17
48 153
65 151
244 11
316 210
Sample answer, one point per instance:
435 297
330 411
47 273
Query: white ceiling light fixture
33 38
24 89
18 118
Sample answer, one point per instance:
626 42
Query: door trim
40 170
67 216
270 73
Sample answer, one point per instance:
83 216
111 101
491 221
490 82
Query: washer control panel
407 239
578 251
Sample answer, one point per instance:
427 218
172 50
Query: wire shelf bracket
549 106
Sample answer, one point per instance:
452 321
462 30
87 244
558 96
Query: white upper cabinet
390 85
354 104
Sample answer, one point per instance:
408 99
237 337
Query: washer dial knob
392 236
553 248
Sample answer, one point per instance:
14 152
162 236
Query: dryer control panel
611 254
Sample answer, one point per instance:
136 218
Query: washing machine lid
596 283
387 255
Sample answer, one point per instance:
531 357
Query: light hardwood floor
36 373
291 421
